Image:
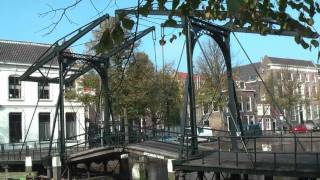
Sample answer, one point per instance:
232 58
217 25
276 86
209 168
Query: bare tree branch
62 12
95 8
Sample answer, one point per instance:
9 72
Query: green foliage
127 23
117 34
251 14
70 94
284 87
213 77
105 42
91 83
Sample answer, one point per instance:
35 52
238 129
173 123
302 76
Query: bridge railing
18 151
276 148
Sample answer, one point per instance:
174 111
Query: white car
203 133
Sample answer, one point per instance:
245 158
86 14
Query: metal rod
60 48
317 158
193 123
61 108
311 142
54 124
255 152
219 149
237 158
295 152
274 160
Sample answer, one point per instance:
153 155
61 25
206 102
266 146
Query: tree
260 16
150 93
286 90
211 68
139 77
169 96
256 15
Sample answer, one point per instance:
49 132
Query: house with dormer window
24 103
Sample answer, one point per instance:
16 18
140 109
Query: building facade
291 94
24 104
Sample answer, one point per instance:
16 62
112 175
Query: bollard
56 167
124 166
28 164
171 172
49 174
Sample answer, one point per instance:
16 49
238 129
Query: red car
301 128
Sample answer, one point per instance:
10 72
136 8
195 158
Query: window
15 134
215 107
206 108
314 91
14 87
307 91
245 121
279 75
315 112
300 77
229 120
290 76
240 104
242 85
307 77
252 77
308 112
44 126
304 77
263 97
268 124
260 109
248 104
252 121
71 125
43 90
294 113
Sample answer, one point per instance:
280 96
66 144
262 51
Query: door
15 132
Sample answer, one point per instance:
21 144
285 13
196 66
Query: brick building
293 84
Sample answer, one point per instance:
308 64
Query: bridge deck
267 163
156 148
95 154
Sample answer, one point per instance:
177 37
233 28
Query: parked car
204 134
311 126
300 128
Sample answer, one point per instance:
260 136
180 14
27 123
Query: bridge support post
245 177
49 175
235 176
56 167
217 175
142 167
268 177
6 170
124 167
88 169
126 127
28 164
200 175
171 172
182 175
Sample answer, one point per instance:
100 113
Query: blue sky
20 20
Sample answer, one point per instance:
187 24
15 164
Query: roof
21 52
246 72
293 62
